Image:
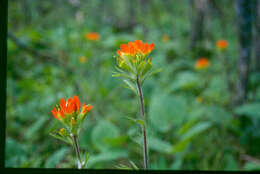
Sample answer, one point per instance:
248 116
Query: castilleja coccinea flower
92 36
133 54
202 63
70 107
71 113
133 60
134 48
222 44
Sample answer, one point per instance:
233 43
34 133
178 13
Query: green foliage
166 111
249 109
102 133
56 157
192 123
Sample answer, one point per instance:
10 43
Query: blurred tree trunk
132 13
27 11
257 36
244 16
197 21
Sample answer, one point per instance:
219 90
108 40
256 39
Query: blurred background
207 119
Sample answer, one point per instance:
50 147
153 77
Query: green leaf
102 133
86 158
123 167
185 80
156 144
250 109
64 139
133 165
56 157
33 130
195 130
138 121
252 166
166 111
106 157
150 74
130 85
159 145
188 135
187 126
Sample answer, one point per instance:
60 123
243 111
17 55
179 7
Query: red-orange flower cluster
92 36
69 107
202 63
133 48
222 44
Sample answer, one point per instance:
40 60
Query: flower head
222 44
202 63
92 36
134 52
134 48
70 108
134 61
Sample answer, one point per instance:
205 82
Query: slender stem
145 148
74 138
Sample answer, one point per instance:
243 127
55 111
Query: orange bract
135 47
222 44
92 36
70 106
202 63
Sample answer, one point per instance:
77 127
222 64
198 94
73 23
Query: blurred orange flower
82 59
199 99
165 38
222 44
202 63
70 107
136 47
92 36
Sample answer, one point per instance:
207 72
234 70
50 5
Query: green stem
75 141
145 148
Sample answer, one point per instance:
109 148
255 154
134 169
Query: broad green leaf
102 133
106 157
195 130
159 145
56 157
15 153
33 130
252 166
156 144
166 111
185 80
250 109
180 146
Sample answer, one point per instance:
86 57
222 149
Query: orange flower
69 107
202 63
82 59
165 38
199 99
222 44
92 36
136 47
